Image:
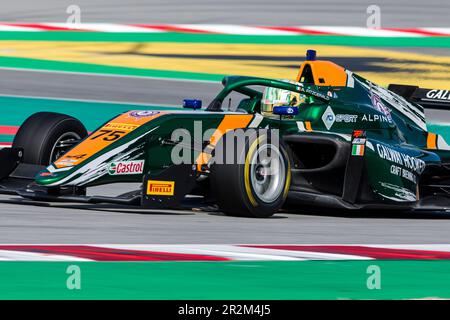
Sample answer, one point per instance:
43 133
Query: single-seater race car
330 139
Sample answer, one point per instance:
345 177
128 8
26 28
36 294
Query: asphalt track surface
81 224
21 222
104 87
399 13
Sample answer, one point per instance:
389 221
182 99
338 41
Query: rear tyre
257 182
46 136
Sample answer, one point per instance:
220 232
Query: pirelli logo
160 188
121 126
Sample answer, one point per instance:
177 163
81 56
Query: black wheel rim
63 144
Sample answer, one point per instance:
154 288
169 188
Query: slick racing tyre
46 136
256 181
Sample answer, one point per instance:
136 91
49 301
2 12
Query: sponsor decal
401 172
67 162
375 118
328 118
77 156
400 193
400 158
314 93
358 150
438 94
359 141
121 126
143 114
359 133
126 167
46 174
379 105
397 102
160 188
347 118
332 94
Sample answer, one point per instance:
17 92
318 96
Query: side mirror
285 111
192 104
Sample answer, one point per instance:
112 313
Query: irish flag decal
358 150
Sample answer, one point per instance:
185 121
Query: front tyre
46 136
256 184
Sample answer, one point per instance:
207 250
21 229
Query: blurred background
158 52
400 13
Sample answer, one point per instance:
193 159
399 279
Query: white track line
225 29
4 27
236 29
104 27
443 31
7 255
361 32
232 252
241 253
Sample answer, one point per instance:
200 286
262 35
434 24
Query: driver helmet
274 97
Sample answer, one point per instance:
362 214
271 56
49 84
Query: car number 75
108 135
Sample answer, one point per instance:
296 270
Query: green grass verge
226 280
431 42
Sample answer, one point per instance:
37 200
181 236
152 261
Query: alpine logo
328 118
126 167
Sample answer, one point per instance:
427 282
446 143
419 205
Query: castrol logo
126 167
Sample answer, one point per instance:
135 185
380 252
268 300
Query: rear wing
427 98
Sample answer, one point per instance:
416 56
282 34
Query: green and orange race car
330 139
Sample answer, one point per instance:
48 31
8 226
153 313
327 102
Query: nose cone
46 177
